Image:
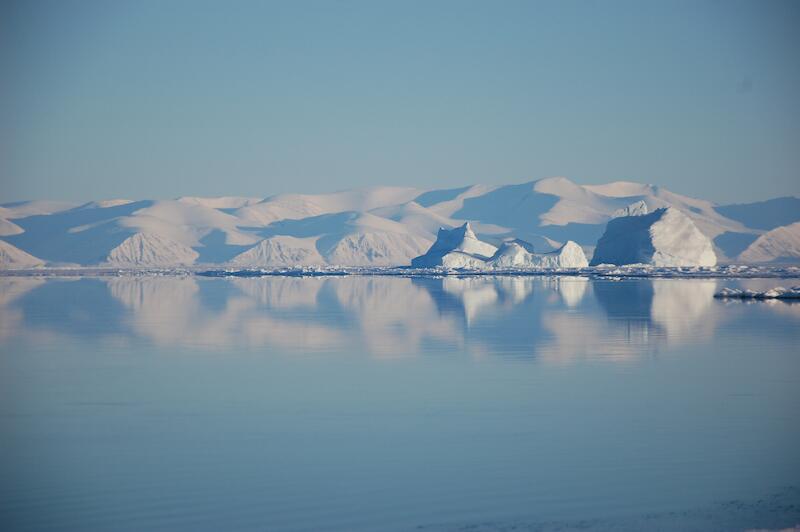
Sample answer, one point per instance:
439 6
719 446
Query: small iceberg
774 293
519 254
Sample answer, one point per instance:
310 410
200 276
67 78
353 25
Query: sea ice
774 293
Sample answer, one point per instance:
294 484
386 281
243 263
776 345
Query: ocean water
388 403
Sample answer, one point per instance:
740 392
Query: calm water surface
369 403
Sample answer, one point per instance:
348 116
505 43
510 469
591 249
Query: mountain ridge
372 226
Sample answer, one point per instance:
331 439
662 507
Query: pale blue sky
161 98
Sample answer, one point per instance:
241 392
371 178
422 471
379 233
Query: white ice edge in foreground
773 293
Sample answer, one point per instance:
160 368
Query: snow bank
664 238
774 293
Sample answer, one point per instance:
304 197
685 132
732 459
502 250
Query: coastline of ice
600 271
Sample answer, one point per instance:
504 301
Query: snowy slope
151 250
86 235
24 209
187 223
764 215
378 248
299 206
8 228
778 245
415 217
357 239
224 202
558 209
104 204
12 258
280 251
665 237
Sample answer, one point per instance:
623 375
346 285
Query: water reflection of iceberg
571 289
666 308
641 316
550 318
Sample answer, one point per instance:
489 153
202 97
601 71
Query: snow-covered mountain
371 226
12 258
781 244
150 249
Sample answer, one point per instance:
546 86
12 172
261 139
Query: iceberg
456 248
515 254
664 238
459 248
638 208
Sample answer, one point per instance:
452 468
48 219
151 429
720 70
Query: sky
165 98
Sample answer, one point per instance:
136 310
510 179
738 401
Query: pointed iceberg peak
468 232
456 248
462 238
461 232
638 208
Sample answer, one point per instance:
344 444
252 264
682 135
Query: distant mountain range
380 226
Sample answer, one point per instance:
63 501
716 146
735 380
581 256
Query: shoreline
598 272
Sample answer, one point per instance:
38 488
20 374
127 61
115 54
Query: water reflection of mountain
559 319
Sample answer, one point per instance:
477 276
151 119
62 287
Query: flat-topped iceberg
664 238
460 248
515 254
